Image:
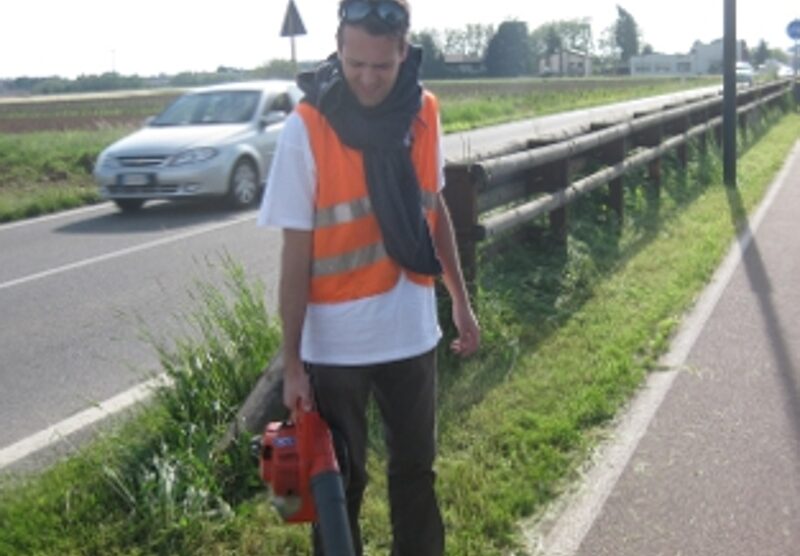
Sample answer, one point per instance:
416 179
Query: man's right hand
296 388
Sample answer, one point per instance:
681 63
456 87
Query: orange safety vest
349 258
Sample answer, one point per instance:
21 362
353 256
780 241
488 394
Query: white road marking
58 432
54 216
563 534
122 252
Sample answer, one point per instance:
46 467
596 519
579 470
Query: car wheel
129 205
244 187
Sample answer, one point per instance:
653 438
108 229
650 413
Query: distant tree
552 41
573 34
780 55
761 54
276 69
433 66
198 79
576 34
109 81
470 41
647 49
554 45
477 39
626 34
556 36
606 57
746 56
508 53
51 86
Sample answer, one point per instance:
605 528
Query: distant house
662 64
702 59
463 65
567 62
709 57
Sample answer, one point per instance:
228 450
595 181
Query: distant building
662 64
702 59
463 65
566 62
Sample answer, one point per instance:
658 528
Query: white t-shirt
398 324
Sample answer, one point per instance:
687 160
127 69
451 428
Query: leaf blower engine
298 463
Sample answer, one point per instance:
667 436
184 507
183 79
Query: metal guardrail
537 181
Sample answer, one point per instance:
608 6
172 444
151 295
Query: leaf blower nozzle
298 463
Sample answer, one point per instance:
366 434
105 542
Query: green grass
462 112
570 330
49 171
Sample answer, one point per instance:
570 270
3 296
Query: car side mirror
273 117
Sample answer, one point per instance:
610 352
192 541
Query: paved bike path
717 472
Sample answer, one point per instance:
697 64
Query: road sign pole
294 56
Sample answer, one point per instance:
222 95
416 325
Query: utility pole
729 95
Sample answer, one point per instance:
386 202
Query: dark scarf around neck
383 134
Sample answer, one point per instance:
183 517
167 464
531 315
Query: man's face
370 63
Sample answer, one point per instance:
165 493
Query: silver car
215 141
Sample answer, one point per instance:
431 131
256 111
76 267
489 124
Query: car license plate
134 179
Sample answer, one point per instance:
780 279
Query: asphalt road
79 289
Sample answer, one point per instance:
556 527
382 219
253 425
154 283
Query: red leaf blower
298 464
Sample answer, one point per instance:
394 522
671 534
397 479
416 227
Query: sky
148 37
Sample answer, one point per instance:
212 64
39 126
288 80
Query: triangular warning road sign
292 24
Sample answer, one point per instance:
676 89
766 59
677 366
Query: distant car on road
744 73
214 141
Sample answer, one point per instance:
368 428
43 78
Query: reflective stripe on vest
347 212
349 258
349 261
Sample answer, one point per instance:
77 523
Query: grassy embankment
569 332
46 171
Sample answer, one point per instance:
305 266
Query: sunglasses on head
389 12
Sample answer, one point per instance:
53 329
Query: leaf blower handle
326 485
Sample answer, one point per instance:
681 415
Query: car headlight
193 156
105 161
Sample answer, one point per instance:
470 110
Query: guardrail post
698 117
614 154
652 138
744 118
557 178
681 127
461 196
718 129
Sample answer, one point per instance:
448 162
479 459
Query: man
356 187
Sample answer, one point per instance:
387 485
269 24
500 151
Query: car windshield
218 107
